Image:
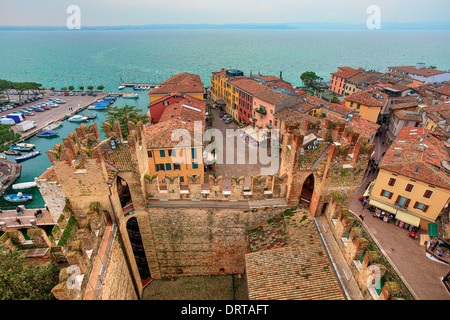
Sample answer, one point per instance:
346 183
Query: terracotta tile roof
346 72
421 160
247 84
120 157
404 105
159 135
271 96
188 109
366 77
49 175
182 83
407 115
287 261
440 89
270 78
422 72
337 107
388 85
364 98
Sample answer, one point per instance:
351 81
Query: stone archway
137 246
307 191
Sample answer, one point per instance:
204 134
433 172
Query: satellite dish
315 142
309 147
315 147
117 141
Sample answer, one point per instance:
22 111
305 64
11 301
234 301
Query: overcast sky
139 12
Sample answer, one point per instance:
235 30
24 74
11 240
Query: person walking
18 221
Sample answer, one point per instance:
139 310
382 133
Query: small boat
131 96
78 118
19 197
26 145
2 156
12 152
47 133
53 126
24 185
20 148
98 107
90 116
27 156
121 87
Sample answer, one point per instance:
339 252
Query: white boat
52 126
130 96
121 87
24 185
25 145
78 118
2 156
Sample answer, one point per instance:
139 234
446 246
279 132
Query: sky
141 12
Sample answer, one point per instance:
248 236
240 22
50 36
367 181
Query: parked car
52 93
83 93
66 93
229 120
59 94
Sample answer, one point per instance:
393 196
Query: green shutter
362 256
379 286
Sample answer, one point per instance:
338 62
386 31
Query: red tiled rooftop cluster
183 82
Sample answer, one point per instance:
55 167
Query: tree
71 88
64 89
21 282
52 88
309 78
123 115
100 88
90 88
81 88
5 85
334 99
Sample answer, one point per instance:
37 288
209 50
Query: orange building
338 79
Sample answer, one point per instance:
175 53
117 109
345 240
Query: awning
382 206
369 188
433 229
408 218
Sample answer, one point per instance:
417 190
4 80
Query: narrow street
407 255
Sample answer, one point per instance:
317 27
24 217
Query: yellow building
366 103
414 178
222 89
166 157
183 83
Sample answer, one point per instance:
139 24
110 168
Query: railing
261 111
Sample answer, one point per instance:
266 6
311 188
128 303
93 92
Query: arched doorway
138 250
307 191
124 195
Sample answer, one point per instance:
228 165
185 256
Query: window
194 165
160 167
386 193
176 166
194 153
409 187
427 194
392 182
149 153
162 153
181 179
169 152
358 106
402 201
168 166
421 206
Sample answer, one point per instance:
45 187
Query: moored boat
53 126
20 148
24 185
27 156
19 197
47 133
121 87
98 107
26 145
130 95
12 152
90 116
78 118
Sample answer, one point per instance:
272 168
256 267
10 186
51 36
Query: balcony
261 111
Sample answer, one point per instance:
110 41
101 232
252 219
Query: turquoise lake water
108 57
